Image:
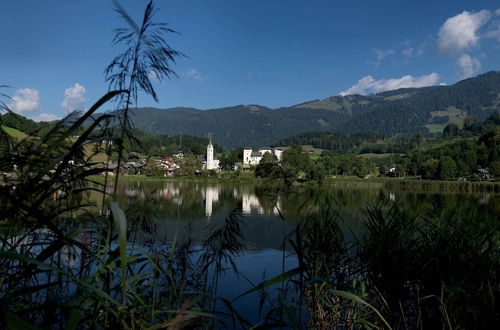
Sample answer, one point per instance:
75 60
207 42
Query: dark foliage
433 270
333 141
460 158
164 145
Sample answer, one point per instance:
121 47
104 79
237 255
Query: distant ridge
402 111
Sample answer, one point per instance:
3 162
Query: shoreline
404 184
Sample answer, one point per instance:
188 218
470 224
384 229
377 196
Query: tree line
472 152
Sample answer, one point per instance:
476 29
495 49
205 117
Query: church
212 162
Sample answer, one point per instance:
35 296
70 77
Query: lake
267 214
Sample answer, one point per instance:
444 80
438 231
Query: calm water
269 214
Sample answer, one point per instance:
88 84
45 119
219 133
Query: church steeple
210 154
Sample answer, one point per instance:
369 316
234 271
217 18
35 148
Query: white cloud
73 98
45 117
368 84
361 87
196 75
381 54
459 33
468 65
26 99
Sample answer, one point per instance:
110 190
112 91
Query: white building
253 157
212 161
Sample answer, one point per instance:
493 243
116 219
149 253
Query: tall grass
404 271
433 270
147 56
63 265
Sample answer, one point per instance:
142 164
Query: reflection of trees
186 200
180 200
269 195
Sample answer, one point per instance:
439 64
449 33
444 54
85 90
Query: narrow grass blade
277 279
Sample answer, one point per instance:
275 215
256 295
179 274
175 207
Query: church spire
210 155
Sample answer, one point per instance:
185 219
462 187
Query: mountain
236 126
402 111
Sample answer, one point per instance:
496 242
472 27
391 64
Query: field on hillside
372 155
14 132
89 149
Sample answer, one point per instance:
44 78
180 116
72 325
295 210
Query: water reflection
211 197
206 196
185 200
270 213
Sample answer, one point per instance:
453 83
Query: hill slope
238 125
402 111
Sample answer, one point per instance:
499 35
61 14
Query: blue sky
272 53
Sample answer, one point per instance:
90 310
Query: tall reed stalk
147 56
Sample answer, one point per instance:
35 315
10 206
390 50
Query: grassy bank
416 185
224 177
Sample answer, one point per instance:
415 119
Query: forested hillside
401 112
235 126
470 153
165 145
24 124
377 143
333 141
430 109
151 145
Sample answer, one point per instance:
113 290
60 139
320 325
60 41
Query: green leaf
15 322
277 279
355 298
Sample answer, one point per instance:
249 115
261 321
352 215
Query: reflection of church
211 196
250 204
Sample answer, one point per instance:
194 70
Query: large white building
253 157
212 161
